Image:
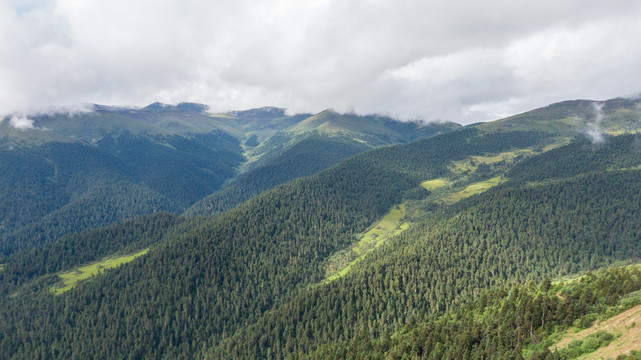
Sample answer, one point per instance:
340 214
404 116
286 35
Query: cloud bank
456 60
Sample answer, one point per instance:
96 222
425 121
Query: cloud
459 60
21 122
594 130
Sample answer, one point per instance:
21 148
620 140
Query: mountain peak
262 112
183 106
156 106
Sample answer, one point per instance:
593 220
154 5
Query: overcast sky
456 60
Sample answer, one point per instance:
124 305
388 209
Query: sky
456 60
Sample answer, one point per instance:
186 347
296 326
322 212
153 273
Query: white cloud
20 122
453 60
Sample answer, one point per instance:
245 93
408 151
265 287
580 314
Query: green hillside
370 130
57 188
516 321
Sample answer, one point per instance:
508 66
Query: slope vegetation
517 321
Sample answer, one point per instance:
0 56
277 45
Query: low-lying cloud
21 122
458 60
594 130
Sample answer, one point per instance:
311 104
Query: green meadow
472 189
391 224
69 279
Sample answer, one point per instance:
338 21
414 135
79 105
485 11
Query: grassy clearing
626 327
388 226
472 189
391 224
472 163
69 279
431 185
622 132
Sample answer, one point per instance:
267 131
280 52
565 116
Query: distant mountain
61 187
371 130
156 158
310 146
568 118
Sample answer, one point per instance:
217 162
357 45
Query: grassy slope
624 325
390 225
433 184
70 278
472 189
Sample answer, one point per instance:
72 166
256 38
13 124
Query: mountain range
69 172
170 232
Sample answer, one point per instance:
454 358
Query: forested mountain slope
309 146
237 265
57 188
507 234
517 321
63 173
253 282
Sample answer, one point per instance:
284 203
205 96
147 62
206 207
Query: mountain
60 187
310 146
307 157
371 130
98 167
369 252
